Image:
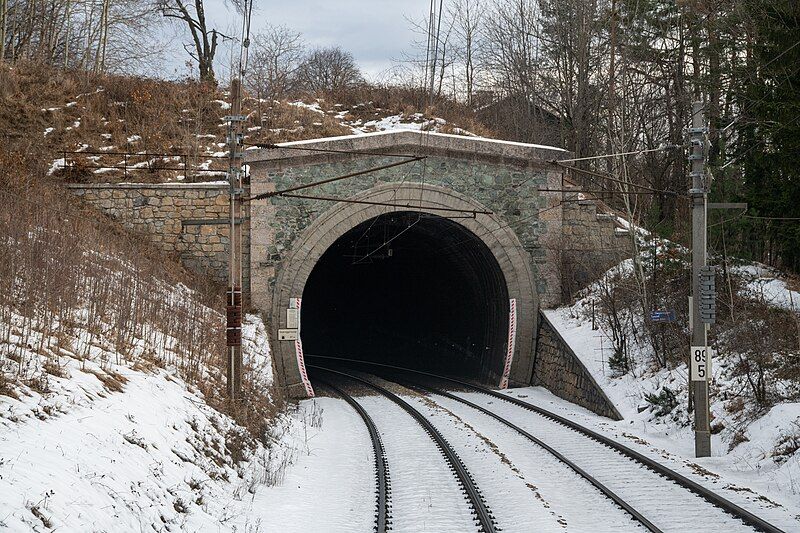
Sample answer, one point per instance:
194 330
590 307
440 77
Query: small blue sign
662 316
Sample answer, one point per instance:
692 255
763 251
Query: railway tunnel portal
450 277
428 281
411 287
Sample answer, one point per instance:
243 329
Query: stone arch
308 248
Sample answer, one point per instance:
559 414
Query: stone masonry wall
558 369
592 242
160 211
535 218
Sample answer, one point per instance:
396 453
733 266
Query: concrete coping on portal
411 142
215 185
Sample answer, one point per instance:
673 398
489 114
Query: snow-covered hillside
133 447
754 441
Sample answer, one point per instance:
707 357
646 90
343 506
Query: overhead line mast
234 293
234 304
702 309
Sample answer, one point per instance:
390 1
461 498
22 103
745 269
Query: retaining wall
168 213
558 369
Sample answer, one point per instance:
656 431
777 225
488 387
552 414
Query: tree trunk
3 23
67 16
99 58
713 88
106 7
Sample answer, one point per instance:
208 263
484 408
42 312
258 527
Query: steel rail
474 497
712 497
382 519
558 455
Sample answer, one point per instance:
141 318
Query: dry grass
787 445
112 381
182 120
66 267
52 367
7 387
282 122
371 102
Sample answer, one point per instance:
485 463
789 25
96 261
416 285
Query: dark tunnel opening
409 289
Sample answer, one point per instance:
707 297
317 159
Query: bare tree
91 34
204 40
511 48
100 57
275 56
467 17
328 69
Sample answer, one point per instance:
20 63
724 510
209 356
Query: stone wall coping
418 141
168 186
566 346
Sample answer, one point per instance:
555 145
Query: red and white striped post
298 348
512 338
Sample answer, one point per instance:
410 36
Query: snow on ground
146 455
748 490
752 463
763 283
526 488
101 446
255 347
154 457
397 122
314 106
57 164
328 484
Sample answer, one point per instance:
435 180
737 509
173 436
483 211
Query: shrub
662 403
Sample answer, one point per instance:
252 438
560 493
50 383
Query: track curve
711 497
483 515
383 504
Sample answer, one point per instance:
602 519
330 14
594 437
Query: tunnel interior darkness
410 289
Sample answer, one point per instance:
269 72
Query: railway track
656 496
484 520
382 489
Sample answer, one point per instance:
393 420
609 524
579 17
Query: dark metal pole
234 294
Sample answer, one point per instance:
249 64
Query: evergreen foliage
768 144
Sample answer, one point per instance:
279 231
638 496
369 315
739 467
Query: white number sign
701 363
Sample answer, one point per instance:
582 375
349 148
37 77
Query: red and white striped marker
298 348
512 338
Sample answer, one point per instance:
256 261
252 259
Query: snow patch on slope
763 283
752 462
103 433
